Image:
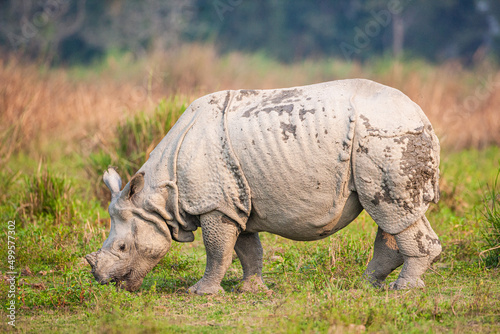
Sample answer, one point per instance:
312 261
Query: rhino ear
112 180
134 186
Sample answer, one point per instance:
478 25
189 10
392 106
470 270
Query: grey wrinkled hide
302 163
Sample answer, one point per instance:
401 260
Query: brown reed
40 107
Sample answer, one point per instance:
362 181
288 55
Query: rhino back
294 147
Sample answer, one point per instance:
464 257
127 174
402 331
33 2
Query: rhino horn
91 259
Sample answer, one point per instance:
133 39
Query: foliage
47 195
139 135
7 180
316 285
83 31
78 110
69 32
135 138
434 30
491 212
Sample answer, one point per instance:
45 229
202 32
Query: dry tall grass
461 104
40 107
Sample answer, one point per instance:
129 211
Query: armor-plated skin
301 162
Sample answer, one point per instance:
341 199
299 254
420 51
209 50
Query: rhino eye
121 247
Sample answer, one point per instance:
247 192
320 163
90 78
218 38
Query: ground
315 286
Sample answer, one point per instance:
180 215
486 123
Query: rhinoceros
300 162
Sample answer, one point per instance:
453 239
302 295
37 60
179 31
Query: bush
136 138
47 195
7 179
492 215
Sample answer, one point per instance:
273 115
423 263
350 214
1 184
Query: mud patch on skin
387 152
281 109
417 164
248 112
421 246
328 232
227 220
390 241
303 112
246 93
433 241
366 123
288 128
284 96
362 149
383 196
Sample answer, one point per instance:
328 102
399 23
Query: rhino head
137 239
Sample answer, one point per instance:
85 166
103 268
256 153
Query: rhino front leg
219 236
420 247
249 250
386 258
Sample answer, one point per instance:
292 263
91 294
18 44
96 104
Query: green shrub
139 135
492 215
136 138
47 195
9 194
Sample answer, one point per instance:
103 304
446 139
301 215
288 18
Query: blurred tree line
79 31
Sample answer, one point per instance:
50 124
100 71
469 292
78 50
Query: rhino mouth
128 282
101 280
118 280
105 279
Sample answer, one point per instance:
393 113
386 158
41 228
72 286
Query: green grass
316 285
491 213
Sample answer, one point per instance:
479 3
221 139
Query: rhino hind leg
219 237
386 258
249 251
420 247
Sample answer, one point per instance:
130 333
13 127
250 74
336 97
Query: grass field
61 127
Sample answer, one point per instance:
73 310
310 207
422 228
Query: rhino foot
386 258
407 283
373 282
205 289
253 284
419 246
219 237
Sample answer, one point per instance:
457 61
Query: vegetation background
87 84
